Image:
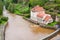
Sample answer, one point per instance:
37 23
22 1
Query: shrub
52 24
4 18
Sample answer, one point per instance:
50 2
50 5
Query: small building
38 14
34 11
44 18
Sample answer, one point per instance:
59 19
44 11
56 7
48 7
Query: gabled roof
37 9
47 18
41 15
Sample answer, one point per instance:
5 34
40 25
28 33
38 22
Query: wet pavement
20 29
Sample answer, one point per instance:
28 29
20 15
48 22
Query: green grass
52 24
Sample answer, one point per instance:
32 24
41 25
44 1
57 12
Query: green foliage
1 7
11 8
0 21
38 2
20 9
47 7
7 3
58 23
15 1
57 1
25 9
52 24
57 7
3 20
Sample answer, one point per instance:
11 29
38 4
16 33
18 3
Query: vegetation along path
20 29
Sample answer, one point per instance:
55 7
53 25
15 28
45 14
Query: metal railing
51 35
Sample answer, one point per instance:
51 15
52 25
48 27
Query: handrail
51 35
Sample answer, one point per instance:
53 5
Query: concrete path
20 29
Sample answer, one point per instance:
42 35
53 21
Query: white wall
33 15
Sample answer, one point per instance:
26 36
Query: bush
52 24
4 18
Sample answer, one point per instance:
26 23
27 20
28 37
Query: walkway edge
51 35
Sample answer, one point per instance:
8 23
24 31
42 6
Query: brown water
20 29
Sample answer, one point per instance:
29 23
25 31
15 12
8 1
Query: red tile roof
47 18
41 15
37 8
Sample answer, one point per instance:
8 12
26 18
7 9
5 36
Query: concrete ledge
30 20
50 36
41 25
2 31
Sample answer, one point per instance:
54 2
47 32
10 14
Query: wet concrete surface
20 29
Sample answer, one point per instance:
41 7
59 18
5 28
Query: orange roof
37 8
41 15
47 18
